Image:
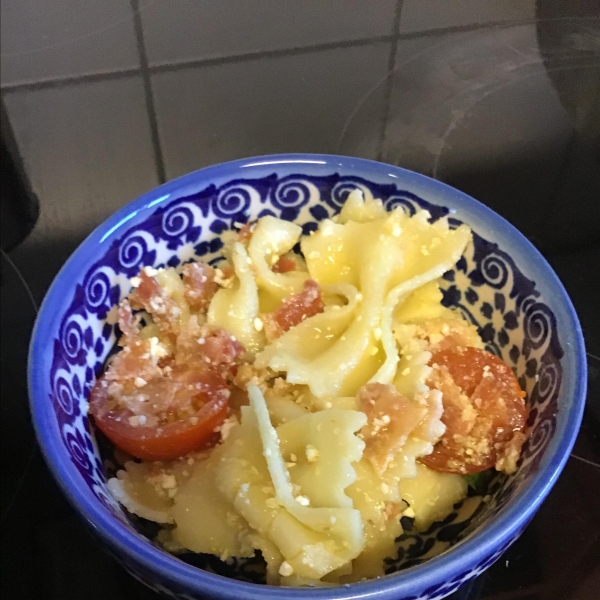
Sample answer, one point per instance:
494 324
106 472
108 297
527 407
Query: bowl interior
490 285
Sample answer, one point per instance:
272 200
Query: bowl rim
498 531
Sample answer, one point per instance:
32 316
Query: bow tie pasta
298 405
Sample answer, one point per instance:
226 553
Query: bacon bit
200 286
220 348
245 233
294 310
203 345
484 413
284 265
391 510
391 419
127 323
153 298
228 271
135 360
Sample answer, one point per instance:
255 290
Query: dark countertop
103 101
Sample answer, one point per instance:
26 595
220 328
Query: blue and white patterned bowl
502 284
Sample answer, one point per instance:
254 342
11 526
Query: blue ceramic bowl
502 284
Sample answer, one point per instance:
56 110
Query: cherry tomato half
170 439
484 411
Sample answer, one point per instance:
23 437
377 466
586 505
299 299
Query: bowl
501 284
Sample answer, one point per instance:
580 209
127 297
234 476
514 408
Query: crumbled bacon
134 361
284 265
153 298
206 345
200 286
294 310
228 271
391 419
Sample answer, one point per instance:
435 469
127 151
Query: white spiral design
495 271
133 248
75 444
72 335
340 191
295 193
549 381
538 326
181 217
409 206
542 432
63 391
97 289
235 199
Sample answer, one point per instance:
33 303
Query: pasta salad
300 404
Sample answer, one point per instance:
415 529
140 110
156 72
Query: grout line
55 82
390 79
59 82
296 50
148 95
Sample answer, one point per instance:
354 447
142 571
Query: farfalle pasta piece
404 254
379 501
322 447
360 208
272 238
135 489
431 494
206 521
235 308
314 541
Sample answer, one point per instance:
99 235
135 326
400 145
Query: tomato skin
162 442
484 411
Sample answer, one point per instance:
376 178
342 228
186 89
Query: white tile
44 39
295 103
179 30
422 15
86 149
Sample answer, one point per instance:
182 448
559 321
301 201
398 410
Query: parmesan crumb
258 324
139 382
303 500
157 350
286 570
228 424
409 512
151 271
135 282
312 454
